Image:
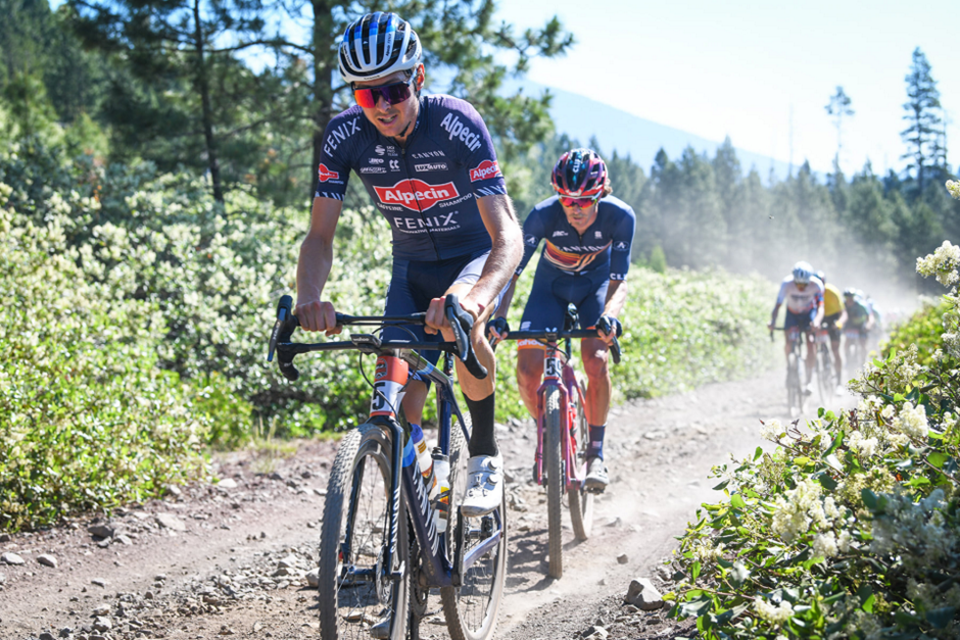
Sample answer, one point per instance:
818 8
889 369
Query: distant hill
628 134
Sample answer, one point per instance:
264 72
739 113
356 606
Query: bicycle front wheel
356 601
552 424
581 500
480 545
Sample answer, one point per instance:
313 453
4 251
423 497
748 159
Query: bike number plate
552 368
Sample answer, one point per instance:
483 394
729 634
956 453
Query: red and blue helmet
579 173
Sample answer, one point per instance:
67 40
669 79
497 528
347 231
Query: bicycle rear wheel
552 424
355 601
825 373
471 609
581 500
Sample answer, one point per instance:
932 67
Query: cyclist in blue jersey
585 261
429 165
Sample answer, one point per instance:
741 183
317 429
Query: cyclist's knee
529 367
595 365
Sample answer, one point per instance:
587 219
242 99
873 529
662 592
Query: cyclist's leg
485 467
529 373
404 298
543 309
595 356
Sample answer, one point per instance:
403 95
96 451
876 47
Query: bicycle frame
395 359
557 372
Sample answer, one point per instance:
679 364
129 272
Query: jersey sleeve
782 295
334 164
464 127
533 233
622 240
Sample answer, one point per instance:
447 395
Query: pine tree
923 114
839 107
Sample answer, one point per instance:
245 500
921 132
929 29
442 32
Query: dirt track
236 567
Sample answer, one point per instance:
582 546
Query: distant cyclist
585 261
429 166
834 315
859 321
803 293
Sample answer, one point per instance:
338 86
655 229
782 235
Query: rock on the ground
227 483
102 610
47 560
102 623
11 558
643 594
596 633
170 521
3 579
102 530
623 558
313 578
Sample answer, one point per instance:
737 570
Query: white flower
912 421
942 263
843 541
772 430
825 545
772 614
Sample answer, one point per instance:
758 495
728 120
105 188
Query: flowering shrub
87 419
851 527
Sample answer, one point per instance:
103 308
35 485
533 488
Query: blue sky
740 68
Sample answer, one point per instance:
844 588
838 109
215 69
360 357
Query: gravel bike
826 373
563 435
383 545
796 394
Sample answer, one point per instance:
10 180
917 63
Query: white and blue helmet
377 45
802 271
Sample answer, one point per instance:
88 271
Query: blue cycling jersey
428 189
604 245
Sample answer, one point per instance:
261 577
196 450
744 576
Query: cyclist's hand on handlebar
436 318
497 330
615 328
317 315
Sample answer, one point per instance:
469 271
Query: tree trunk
324 63
204 87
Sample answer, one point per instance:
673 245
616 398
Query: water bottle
441 504
424 459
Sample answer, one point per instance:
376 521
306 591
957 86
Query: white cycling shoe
484 486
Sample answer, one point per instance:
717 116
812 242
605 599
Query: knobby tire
552 424
348 609
471 609
581 500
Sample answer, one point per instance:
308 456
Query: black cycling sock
595 450
483 442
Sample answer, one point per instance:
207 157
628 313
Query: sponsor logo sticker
531 240
428 154
597 234
414 192
559 232
375 160
379 150
373 170
430 166
325 174
394 165
620 246
485 170
461 132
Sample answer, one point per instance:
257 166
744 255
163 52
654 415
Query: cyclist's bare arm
501 223
504 307
773 316
819 317
616 298
313 268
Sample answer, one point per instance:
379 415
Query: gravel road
232 560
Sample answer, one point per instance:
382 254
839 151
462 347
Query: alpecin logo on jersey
485 170
416 195
325 174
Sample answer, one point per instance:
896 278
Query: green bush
681 329
924 329
87 419
851 528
